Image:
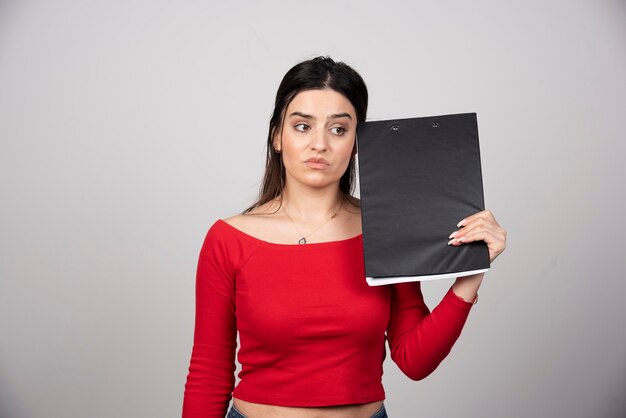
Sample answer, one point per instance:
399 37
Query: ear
276 143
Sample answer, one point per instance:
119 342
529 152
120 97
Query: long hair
313 74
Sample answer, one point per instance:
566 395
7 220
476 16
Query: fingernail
460 224
453 234
451 241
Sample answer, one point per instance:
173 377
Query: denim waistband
234 413
382 413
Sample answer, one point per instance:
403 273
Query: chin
317 179
319 182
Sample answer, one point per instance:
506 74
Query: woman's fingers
482 215
479 221
495 244
481 226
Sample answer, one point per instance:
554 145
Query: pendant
302 241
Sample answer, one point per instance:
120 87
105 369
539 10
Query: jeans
234 413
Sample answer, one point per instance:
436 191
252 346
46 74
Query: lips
317 163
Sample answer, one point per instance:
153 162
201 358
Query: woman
288 276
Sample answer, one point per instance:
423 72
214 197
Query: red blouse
311 331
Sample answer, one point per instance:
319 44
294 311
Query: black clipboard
418 177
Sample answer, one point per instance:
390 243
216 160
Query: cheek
345 156
348 150
290 149
291 154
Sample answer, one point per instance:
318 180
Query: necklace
304 237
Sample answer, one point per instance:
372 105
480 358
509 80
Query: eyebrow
333 116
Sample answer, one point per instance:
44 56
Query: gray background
128 127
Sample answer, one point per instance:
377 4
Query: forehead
321 103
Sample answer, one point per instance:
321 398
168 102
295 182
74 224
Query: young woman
287 275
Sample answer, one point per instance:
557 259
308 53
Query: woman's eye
301 127
338 130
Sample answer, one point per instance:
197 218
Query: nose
320 141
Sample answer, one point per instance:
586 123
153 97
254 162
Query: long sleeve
419 339
211 378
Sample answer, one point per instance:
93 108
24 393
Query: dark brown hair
313 74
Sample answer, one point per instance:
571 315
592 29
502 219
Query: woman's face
317 138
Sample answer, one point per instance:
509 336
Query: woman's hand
481 226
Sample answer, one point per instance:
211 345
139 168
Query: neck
312 205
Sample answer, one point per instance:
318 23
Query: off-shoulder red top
311 331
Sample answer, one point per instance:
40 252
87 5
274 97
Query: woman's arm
211 378
419 339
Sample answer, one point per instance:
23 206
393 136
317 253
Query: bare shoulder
254 222
267 223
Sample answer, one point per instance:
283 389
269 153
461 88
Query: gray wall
128 127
